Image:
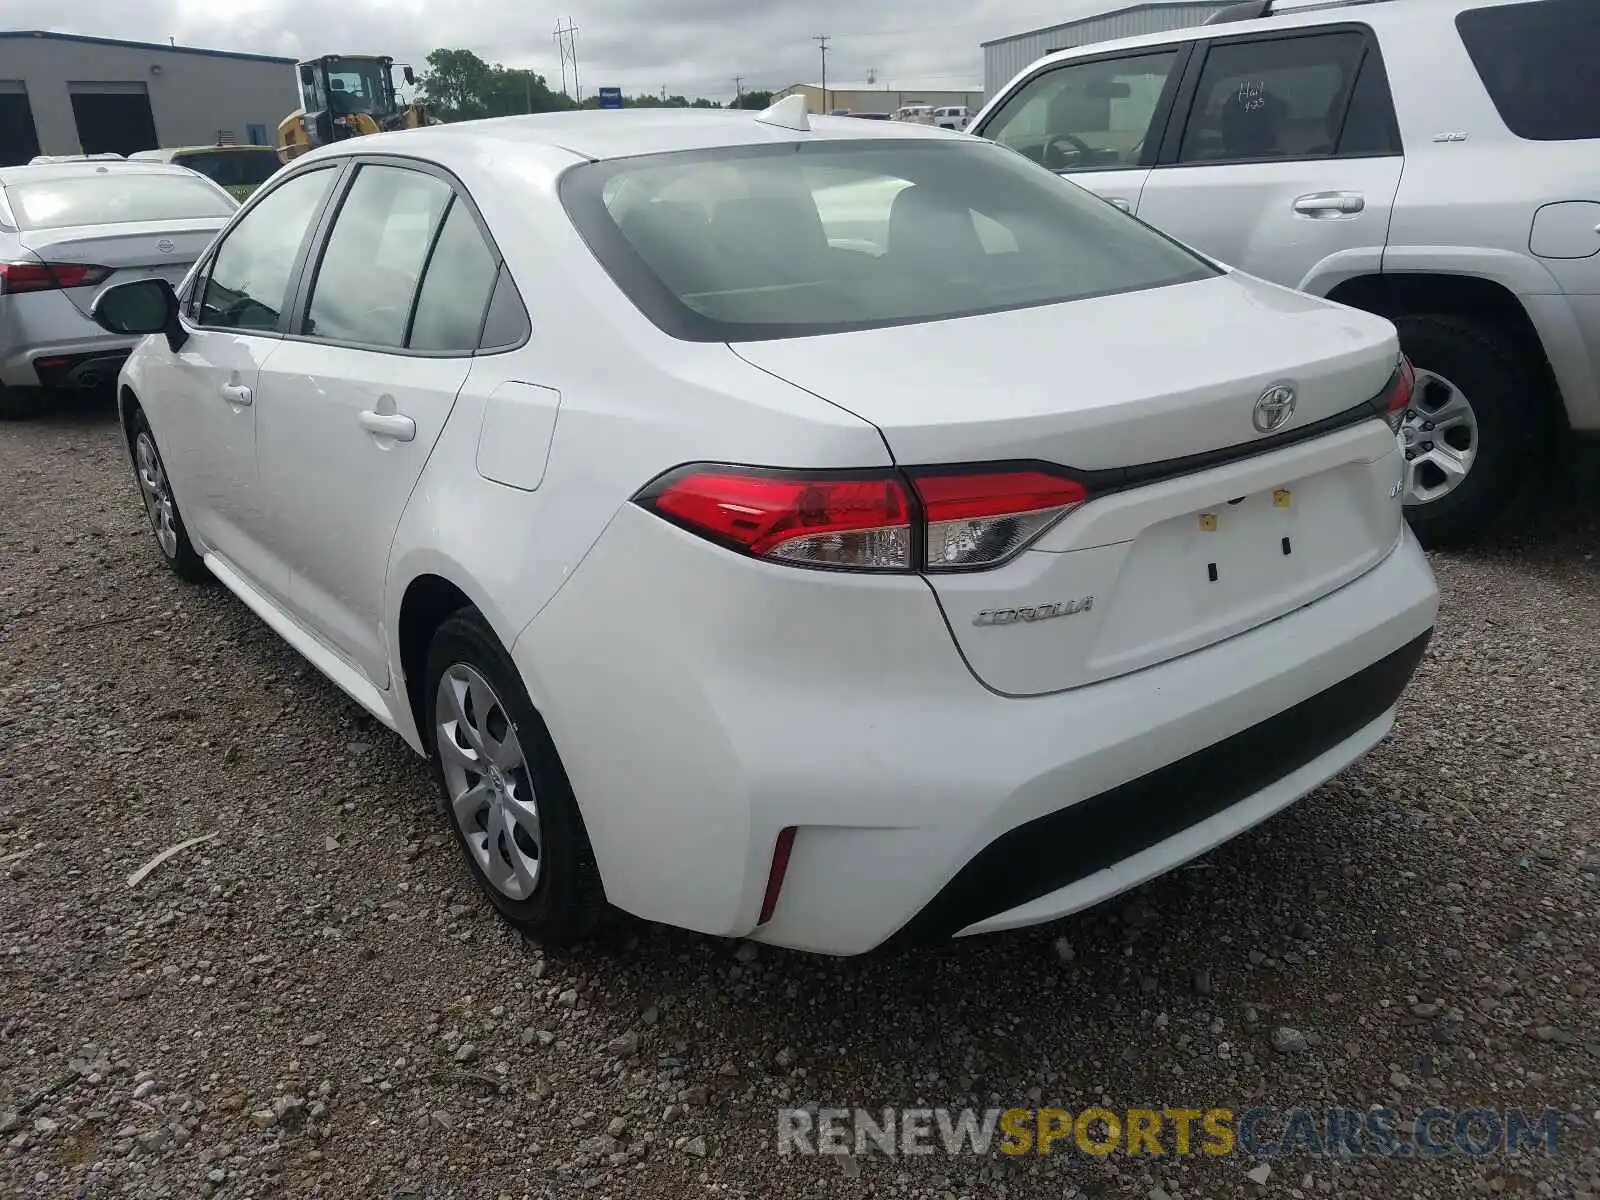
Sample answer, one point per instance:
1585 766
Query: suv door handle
1325 205
236 393
390 425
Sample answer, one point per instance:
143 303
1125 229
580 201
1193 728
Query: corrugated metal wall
1003 59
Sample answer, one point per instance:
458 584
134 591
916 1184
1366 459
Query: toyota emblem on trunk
1274 408
165 246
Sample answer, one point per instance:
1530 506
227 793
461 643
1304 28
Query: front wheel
1475 430
166 522
503 787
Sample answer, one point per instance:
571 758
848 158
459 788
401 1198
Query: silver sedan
68 231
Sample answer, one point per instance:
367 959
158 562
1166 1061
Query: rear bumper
46 342
733 699
1079 855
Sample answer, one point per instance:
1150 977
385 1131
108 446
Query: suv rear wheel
1475 428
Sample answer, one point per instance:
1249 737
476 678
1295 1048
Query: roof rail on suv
1250 10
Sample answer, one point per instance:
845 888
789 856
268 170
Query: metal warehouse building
64 94
875 98
1004 57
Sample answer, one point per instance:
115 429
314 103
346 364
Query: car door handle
390 425
1324 205
237 393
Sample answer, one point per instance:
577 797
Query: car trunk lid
1199 525
165 249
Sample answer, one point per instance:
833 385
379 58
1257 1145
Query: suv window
1085 116
249 276
374 255
1537 62
455 290
1277 98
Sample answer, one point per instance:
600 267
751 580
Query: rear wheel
503 787
17 403
161 507
1475 430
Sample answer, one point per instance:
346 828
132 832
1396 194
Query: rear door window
1537 62
455 290
373 259
1277 98
1086 116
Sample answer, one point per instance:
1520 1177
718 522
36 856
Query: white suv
1432 161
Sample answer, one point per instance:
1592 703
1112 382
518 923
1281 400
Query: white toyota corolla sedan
832 533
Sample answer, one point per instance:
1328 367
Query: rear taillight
858 523
1397 396
981 520
18 277
949 520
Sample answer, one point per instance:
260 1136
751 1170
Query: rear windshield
113 198
1538 61
820 237
233 168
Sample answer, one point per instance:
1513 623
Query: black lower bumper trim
1063 847
67 371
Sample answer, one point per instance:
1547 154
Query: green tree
755 100
454 84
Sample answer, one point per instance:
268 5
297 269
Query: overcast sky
693 47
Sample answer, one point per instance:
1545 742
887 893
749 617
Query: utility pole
822 40
738 90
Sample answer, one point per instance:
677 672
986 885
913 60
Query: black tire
1508 399
185 563
18 403
568 900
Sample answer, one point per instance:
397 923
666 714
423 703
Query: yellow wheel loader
344 96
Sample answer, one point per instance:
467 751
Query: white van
916 114
951 118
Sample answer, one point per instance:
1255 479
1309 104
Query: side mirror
411 76
307 75
143 306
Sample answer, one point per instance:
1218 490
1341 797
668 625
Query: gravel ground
316 1003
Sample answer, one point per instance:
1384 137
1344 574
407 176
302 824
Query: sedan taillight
16 277
1397 396
949 520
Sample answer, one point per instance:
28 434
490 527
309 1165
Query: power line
822 40
738 91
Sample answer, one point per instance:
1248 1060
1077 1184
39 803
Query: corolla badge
1034 612
1274 408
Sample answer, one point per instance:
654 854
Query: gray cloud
691 47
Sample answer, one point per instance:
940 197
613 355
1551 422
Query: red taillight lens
858 523
18 277
868 521
1398 396
982 520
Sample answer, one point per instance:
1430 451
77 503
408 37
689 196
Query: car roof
81 168
599 135
1367 12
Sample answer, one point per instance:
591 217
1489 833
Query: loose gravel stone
1431 917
